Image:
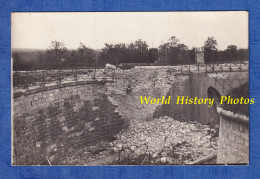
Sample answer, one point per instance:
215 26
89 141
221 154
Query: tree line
137 52
171 52
57 56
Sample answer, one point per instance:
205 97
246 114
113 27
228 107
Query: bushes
241 91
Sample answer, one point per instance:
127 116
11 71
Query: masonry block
237 146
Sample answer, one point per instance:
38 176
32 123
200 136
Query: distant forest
171 52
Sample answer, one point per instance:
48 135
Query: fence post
76 75
27 80
223 85
19 76
60 76
119 156
149 158
166 57
15 82
94 75
213 61
114 73
43 77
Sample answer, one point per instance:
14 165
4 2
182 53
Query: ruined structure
51 123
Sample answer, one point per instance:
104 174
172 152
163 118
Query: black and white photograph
130 88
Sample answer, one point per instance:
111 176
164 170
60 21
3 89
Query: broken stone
170 160
154 155
115 149
163 154
119 146
65 128
213 131
91 129
133 148
38 144
179 143
163 160
149 136
95 108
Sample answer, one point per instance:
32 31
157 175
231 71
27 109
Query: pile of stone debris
166 141
162 141
152 82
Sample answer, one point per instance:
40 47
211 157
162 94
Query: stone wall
181 112
196 85
50 124
200 83
233 144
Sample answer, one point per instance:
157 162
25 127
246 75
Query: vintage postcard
130 88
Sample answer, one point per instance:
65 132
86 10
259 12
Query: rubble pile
166 141
162 141
153 82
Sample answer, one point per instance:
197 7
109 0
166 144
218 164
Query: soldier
128 89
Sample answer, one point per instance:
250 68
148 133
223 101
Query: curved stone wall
233 144
52 122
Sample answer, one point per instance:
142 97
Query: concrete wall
52 123
233 144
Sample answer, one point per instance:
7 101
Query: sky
94 29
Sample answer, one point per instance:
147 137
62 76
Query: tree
140 45
85 55
124 53
173 41
174 52
131 46
56 55
108 55
232 47
243 55
210 47
231 53
182 47
41 59
17 62
211 43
